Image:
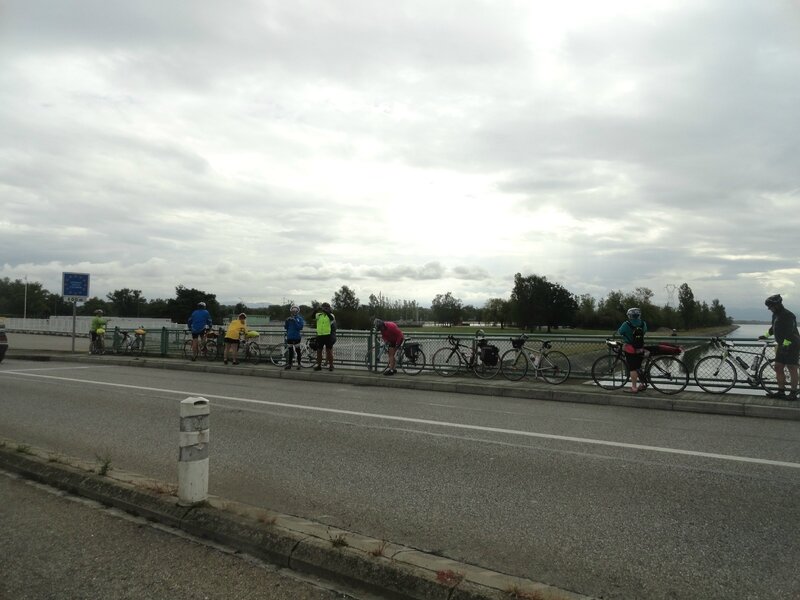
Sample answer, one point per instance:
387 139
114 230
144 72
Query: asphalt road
606 501
58 546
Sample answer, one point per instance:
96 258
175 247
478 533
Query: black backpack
637 338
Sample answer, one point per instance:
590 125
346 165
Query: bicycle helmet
201 305
634 313
242 316
774 300
378 324
294 310
99 311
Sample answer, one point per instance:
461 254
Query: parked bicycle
718 373
278 353
207 345
552 366
410 357
98 343
480 357
666 373
132 344
252 351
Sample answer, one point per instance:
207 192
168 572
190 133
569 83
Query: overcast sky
270 150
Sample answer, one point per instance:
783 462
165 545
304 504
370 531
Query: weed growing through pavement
380 549
104 461
338 541
449 577
266 519
24 449
518 593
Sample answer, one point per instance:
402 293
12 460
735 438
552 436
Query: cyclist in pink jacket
393 337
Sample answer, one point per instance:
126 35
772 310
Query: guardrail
355 348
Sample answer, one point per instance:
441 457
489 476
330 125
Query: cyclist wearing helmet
632 331
98 323
294 327
393 337
326 335
199 321
235 330
784 328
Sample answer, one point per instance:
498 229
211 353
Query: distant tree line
535 303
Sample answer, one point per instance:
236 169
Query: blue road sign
75 285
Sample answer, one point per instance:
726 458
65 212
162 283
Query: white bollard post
193 457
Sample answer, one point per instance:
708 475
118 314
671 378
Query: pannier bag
312 343
490 355
411 350
669 349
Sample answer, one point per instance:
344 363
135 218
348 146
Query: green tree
446 309
497 310
186 301
538 301
126 302
687 305
345 300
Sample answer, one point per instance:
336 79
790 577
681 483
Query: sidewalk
40 347
59 546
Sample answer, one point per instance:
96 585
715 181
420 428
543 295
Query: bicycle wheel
667 374
446 362
715 374
277 355
252 353
211 350
768 377
307 356
411 366
486 370
187 349
554 367
514 364
137 348
610 372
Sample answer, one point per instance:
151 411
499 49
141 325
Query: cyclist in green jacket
98 322
326 335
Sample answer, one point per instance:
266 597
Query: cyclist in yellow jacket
326 335
232 337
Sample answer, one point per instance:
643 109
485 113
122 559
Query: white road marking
366 415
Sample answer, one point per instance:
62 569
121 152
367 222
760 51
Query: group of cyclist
199 322
632 331
783 328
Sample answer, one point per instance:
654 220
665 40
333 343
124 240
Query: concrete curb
365 563
574 393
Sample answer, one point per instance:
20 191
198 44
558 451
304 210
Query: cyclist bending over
232 336
393 337
198 322
632 331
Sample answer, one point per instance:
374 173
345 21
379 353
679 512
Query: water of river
749 331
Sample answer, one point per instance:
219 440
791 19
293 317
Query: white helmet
634 313
294 310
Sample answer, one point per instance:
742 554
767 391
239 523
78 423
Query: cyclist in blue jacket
199 321
632 331
294 327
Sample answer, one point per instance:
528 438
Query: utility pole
25 306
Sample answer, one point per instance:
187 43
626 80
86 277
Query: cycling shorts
325 341
787 355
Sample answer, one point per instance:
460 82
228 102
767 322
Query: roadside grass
339 540
380 549
24 449
103 463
